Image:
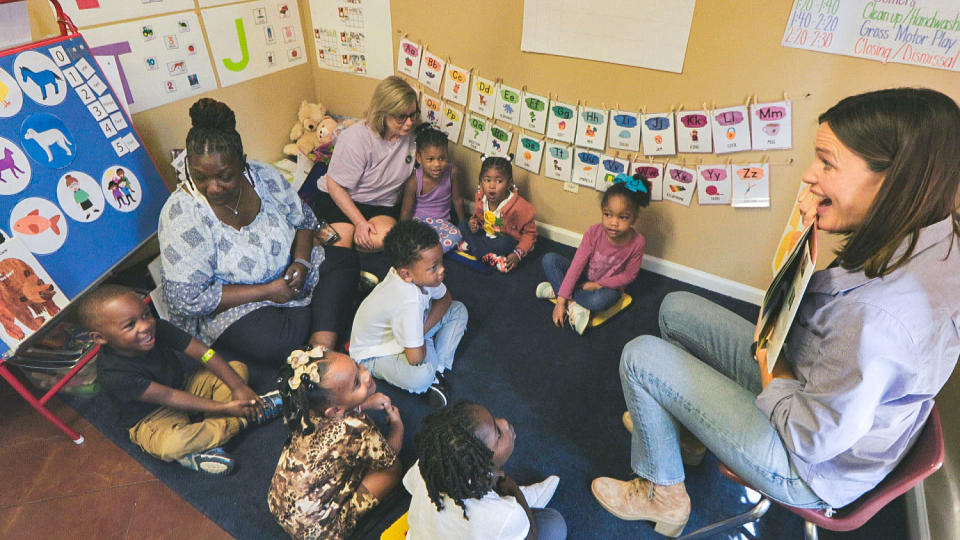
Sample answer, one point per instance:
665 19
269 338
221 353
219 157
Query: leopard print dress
316 490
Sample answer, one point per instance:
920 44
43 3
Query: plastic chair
923 459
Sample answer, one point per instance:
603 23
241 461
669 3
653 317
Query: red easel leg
27 395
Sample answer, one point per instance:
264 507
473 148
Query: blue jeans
702 375
479 244
555 267
550 524
441 341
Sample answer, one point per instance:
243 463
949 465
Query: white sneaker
545 290
579 317
539 494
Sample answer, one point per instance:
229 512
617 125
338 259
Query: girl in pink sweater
607 260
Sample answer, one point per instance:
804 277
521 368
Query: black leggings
268 334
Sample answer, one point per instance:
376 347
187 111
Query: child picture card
592 128
694 132
731 130
508 104
610 167
679 183
751 185
431 71
654 173
713 184
658 135
451 123
533 112
408 58
431 109
559 161
562 122
498 142
529 153
476 133
624 131
586 165
456 86
771 125
482 96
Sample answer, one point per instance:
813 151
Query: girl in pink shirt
607 260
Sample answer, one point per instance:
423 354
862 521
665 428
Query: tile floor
53 488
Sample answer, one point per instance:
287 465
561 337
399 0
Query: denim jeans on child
555 267
702 374
479 244
441 341
550 524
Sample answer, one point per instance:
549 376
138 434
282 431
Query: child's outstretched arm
456 195
161 394
438 308
409 198
219 367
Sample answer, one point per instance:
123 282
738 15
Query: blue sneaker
273 408
212 462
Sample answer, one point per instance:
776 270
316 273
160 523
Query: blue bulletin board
78 191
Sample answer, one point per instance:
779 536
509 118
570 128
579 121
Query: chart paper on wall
353 37
85 13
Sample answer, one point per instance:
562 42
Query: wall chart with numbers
78 191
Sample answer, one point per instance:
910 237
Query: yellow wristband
207 356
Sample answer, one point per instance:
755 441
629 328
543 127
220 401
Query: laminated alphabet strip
771 125
658 135
529 153
431 71
508 104
592 128
694 132
653 172
714 184
610 167
624 130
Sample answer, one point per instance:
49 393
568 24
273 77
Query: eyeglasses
402 118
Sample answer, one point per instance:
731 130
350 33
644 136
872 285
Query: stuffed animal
327 134
304 132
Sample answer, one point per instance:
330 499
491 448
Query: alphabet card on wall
714 184
431 109
533 112
610 167
431 71
771 125
624 130
451 123
679 183
476 133
498 143
529 153
731 130
592 128
653 172
508 104
408 58
586 166
751 185
559 161
253 39
562 122
658 135
694 132
456 85
482 96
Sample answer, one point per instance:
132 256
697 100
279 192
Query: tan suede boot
691 449
638 499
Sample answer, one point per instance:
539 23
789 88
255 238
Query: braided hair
429 136
452 459
214 130
297 402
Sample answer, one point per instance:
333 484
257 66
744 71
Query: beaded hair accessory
508 157
304 368
633 183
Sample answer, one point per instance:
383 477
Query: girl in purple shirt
428 193
607 260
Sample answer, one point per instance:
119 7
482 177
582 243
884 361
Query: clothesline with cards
575 142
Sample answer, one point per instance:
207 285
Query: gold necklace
236 209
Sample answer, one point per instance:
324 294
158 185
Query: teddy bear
304 133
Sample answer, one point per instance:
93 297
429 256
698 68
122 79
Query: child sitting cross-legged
407 329
140 367
458 486
336 465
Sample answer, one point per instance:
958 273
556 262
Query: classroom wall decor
653 172
625 130
533 112
714 184
731 129
679 183
476 132
431 71
85 13
482 96
657 134
451 123
751 185
352 38
529 153
507 106
586 164
408 58
559 161
562 121
694 131
456 86
770 125
498 142
610 167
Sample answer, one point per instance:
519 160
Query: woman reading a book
240 267
875 338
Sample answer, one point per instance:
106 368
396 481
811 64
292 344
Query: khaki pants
168 434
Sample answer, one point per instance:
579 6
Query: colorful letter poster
562 122
431 71
160 60
770 125
529 153
253 39
508 104
679 183
408 58
482 96
350 37
456 85
658 136
431 109
624 131
559 161
714 184
86 13
586 165
694 132
498 143
452 121
751 185
610 167
731 130
533 112
592 128
653 172
476 133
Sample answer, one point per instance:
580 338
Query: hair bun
212 114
